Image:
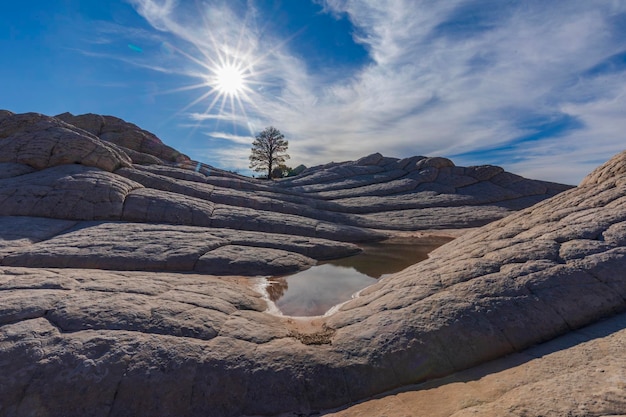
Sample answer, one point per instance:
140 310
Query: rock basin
319 289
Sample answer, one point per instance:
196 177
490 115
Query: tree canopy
268 151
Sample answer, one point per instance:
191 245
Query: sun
229 80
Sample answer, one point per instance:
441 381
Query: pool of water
314 291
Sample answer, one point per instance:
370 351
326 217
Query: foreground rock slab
151 247
580 374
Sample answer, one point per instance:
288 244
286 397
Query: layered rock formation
419 192
136 336
111 177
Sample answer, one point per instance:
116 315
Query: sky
537 87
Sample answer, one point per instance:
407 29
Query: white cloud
446 78
244 140
433 95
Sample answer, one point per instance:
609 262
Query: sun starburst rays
228 80
231 76
226 84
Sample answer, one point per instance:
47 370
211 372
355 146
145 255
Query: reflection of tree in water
276 288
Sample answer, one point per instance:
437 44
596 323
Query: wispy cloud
244 140
453 78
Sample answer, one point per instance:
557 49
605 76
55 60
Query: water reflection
391 256
316 290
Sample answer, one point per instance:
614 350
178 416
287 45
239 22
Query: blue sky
538 87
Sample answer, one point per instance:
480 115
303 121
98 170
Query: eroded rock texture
419 192
108 309
582 373
101 168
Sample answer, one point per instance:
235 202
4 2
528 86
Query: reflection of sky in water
316 290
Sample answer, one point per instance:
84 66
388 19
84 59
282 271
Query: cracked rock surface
101 168
115 300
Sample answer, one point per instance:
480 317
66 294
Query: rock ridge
94 168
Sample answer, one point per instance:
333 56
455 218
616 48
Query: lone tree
268 151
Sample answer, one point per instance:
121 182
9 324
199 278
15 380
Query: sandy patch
580 374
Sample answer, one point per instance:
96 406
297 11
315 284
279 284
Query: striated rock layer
93 169
148 332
